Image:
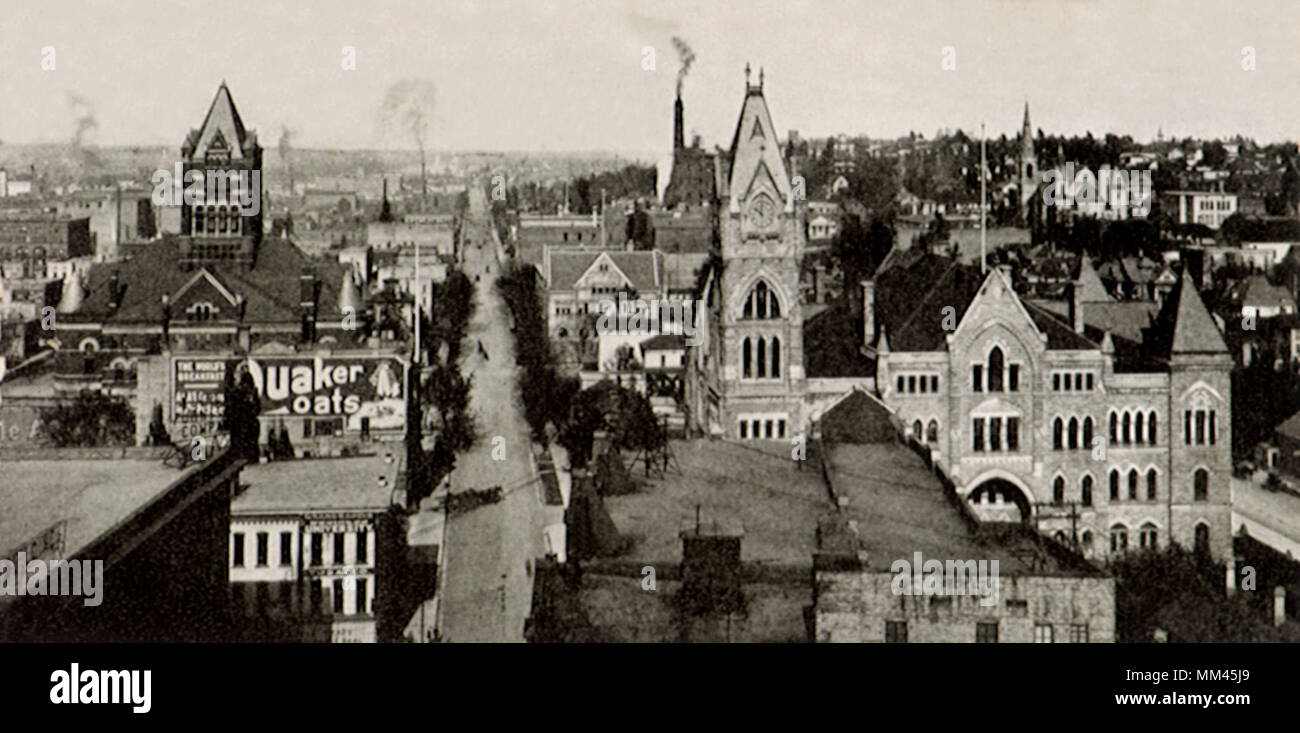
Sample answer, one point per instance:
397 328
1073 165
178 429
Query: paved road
487 561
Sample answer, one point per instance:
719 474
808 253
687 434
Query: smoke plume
687 57
408 111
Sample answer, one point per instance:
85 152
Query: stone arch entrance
998 499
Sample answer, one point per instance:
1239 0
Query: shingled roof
269 288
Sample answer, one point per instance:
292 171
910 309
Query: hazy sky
559 75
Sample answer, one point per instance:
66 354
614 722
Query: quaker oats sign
349 387
352 388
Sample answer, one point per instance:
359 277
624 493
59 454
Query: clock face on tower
761 212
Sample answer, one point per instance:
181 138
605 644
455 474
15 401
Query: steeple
1026 135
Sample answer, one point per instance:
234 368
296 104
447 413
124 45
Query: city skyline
1082 67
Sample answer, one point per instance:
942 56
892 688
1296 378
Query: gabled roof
640 269
751 152
1260 293
858 418
156 271
222 127
1290 427
1090 283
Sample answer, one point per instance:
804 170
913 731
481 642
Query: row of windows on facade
217 220
761 303
929 383
1200 486
757 429
286 549
986 632
760 358
316 600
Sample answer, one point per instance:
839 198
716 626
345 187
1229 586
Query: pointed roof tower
222 128
755 150
349 298
72 296
1194 330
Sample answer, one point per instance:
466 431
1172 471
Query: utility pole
983 206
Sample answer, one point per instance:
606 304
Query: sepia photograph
579 322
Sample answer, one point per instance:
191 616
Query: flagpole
983 206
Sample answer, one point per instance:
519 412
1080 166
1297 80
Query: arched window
995 369
746 354
1126 433
1114 484
1114 429
1138 433
1152 481
1087 432
1058 428
1074 433
932 433
1147 536
761 303
916 431
1118 538
1151 428
776 357
1202 539
1201 485
1085 541
1058 490
1085 491
1132 484
198 219
761 370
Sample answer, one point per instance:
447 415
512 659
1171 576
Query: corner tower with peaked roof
761 319
220 228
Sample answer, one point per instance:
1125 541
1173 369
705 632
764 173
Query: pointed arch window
1153 480
996 365
1147 536
1058 490
746 358
1118 538
1132 484
932 433
761 303
1085 491
776 357
1201 485
1151 428
1114 429
1058 428
1128 423
1087 432
1139 435
1114 484
1074 433
760 370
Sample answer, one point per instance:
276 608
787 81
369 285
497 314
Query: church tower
761 319
219 227
1028 163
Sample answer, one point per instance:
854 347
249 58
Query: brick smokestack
679 135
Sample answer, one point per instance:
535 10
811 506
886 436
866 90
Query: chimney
679 136
868 312
1075 295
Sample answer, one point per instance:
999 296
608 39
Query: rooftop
92 496
317 484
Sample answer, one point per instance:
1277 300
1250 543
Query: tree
91 419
